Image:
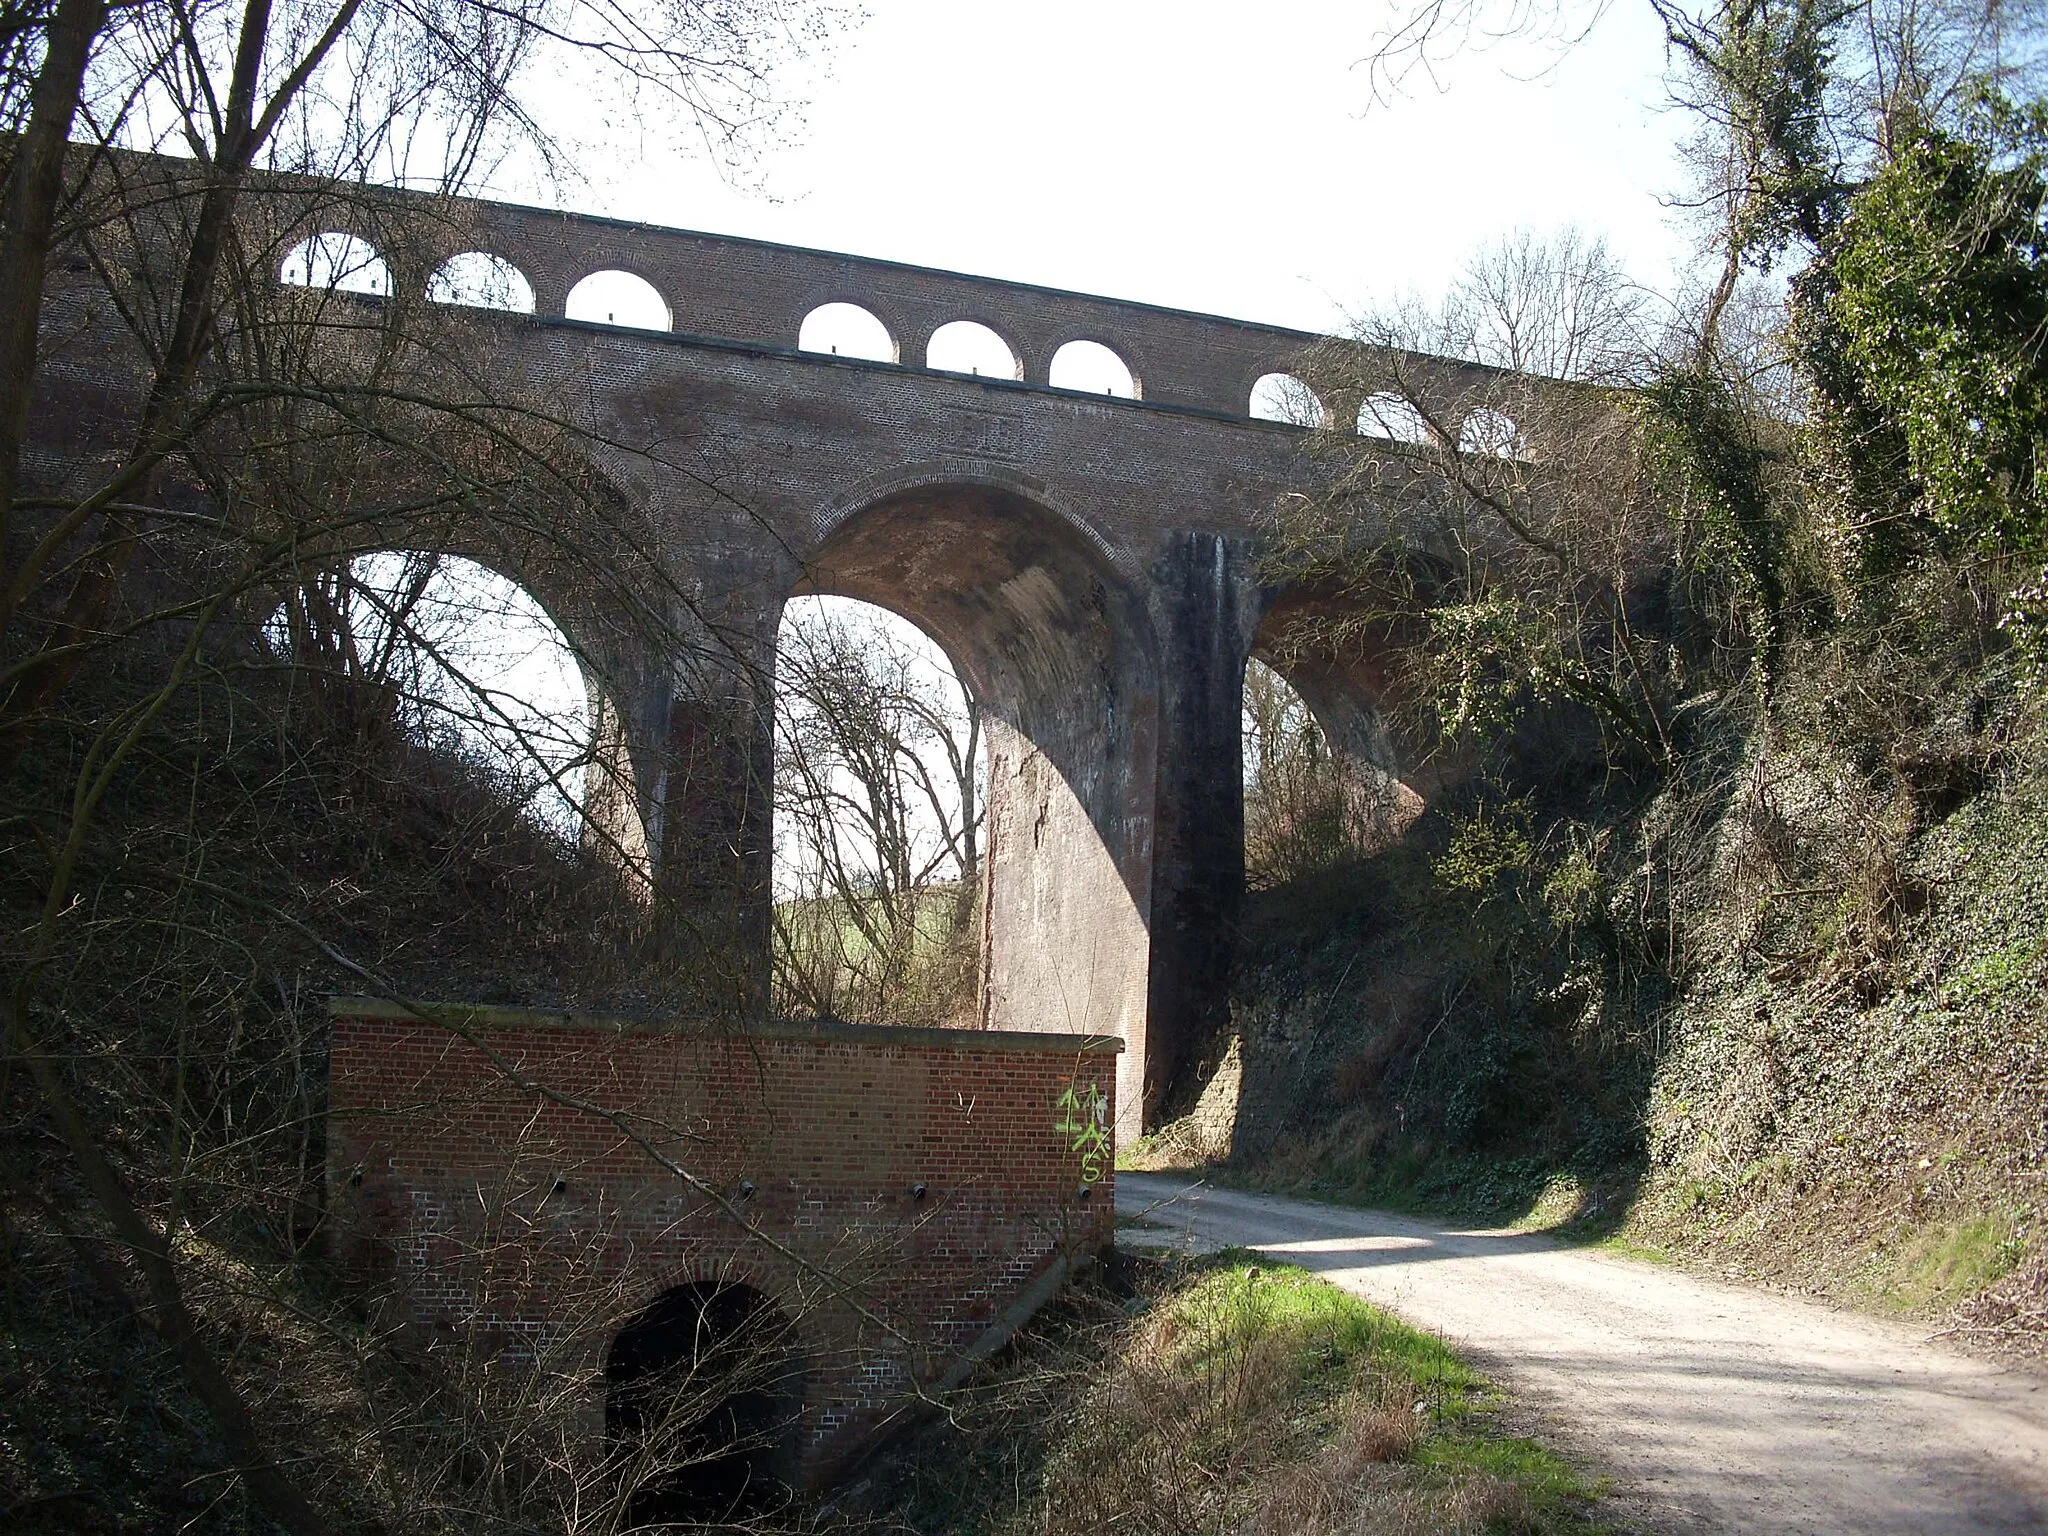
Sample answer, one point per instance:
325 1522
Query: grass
1234 1394
827 964
1947 1261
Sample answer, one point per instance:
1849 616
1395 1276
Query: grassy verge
1231 1394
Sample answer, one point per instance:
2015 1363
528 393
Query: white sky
1209 157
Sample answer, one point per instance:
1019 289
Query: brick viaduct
1088 561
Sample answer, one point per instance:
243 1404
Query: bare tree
879 816
181 864
1305 807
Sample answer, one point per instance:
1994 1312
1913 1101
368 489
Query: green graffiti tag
1084 1120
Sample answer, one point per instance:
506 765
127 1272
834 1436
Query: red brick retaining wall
521 1184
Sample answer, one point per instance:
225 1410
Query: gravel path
1716 1408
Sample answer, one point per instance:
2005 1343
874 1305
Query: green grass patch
1244 1297
1632 1248
1946 1262
1235 1393
1550 1482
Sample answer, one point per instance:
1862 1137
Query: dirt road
1714 1407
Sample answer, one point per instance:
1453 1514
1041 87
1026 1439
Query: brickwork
522 1184
1091 565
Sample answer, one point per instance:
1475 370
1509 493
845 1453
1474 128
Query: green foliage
1571 891
1711 441
1487 662
1942 297
1772 68
1989 979
1489 849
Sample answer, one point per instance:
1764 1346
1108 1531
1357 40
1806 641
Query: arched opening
1057 650
618 298
703 1407
1393 417
1283 397
966 346
1490 432
880 807
1092 368
336 262
1310 803
452 658
846 330
480 280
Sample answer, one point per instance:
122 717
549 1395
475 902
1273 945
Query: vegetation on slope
1845 1086
1225 1395
1722 925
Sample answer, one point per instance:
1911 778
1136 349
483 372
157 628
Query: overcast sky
1220 158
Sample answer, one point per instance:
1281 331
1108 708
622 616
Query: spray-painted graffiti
1084 1122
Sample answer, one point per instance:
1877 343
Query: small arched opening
1284 398
1091 368
338 263
1393 417
479 280
881 796
846 330
1490 432
703 1407
618 298
967 346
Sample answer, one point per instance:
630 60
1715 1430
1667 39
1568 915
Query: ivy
1941 296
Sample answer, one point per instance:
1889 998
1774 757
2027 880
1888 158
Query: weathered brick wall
523 1184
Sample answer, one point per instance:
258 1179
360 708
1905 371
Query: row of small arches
964 346
351 265
480 280
1283 397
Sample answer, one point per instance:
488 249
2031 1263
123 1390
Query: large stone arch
1059 648
614 654
621 629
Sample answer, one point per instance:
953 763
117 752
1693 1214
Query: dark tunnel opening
703 1408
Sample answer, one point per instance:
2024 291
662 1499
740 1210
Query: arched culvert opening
441 655
880 804
1060 656
703 1408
